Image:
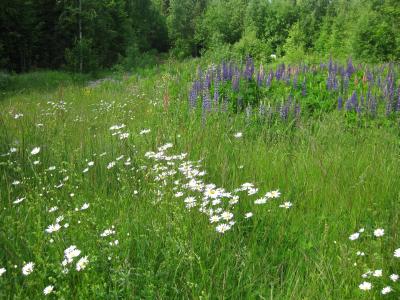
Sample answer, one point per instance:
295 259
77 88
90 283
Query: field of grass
78 156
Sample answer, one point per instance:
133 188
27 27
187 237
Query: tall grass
339 179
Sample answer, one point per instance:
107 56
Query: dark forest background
89 35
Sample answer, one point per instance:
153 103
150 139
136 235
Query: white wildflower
35 150
386 290
394 277
48 289
354 236
82 263
365 286
248 215
397 253
222 228
286 205
28 268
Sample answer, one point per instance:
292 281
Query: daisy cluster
218 204
375 278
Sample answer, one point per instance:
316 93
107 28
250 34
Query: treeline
85 35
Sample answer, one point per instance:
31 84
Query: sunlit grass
339 179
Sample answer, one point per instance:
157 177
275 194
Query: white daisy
286 205
28 268
35 150
48 289
386 290
365 286
377 273
85 206
214 218
53 228
82 263
226 215
379 232
248 215
222 228
397 253
394 277
354 236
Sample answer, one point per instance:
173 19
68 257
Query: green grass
339 179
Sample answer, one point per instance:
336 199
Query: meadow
194 180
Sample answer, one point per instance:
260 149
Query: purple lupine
295 81
219 71
350 68
207 81
373 106
370 77
225 71
249 70
193 97
335 84
398 99
388 108
260 76
328 82
216 93
340 103
330 65
354 99
235 83
348 105
304 88
270 77
345 82
284 111
206 102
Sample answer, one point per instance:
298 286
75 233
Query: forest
90 35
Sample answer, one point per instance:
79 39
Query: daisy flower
82 263
354 236
48 289
248 215
286 205
386 290
377 273
35 150
379 232
365 286
222 228
28 268
226 215
394 277
397 253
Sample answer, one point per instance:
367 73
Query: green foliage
295 45
250 45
